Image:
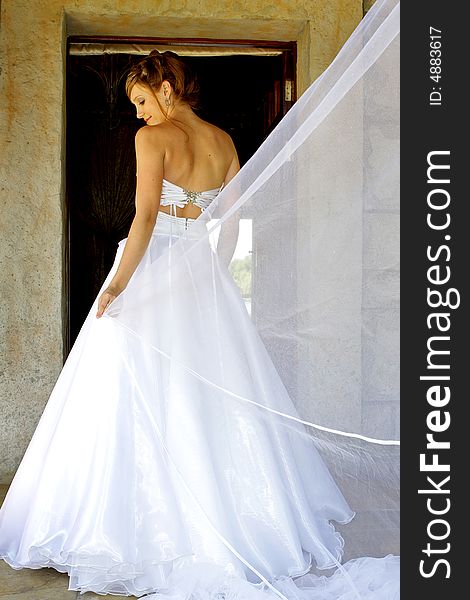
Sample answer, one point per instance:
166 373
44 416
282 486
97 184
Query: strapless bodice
173 194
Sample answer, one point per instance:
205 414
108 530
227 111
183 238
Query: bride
182 160
170 460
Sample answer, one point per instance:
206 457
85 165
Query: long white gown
142 479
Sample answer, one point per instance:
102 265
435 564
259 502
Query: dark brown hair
157 67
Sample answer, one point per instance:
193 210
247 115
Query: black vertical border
424 129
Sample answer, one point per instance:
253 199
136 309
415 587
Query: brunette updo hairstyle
152 70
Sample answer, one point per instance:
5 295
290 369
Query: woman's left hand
106 298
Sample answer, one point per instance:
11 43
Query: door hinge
288 88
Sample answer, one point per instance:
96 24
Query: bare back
198 156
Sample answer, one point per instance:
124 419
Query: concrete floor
38 584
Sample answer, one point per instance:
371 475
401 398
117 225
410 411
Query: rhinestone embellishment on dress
192 196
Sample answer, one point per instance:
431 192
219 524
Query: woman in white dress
175 151
140 478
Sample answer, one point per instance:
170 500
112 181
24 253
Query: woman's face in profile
146 106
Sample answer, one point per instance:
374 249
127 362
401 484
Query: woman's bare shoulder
148 141
148 134
223 135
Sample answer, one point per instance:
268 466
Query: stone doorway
247 86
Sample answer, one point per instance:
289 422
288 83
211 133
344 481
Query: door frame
288 96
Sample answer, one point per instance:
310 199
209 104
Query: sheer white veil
316 211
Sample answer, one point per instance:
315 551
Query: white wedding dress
135 481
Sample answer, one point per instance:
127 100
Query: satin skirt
171 225
141 478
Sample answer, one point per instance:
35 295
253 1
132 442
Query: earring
167 101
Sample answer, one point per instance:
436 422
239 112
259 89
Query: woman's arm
150 153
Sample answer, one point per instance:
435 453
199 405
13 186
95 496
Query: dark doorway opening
244 94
